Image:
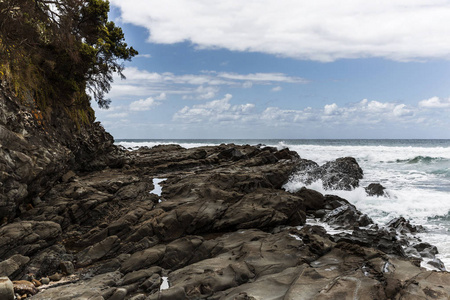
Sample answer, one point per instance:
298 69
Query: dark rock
27 237
67 267
403 226
344 214
375 189
341 174
98 251
312 200
437 263
152 283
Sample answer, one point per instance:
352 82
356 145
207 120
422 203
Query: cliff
37 147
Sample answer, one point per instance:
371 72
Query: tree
71 42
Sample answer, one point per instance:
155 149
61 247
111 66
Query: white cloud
263 77
117 115
205 85
330 109
161 96
214 111
276 89
143 105
315 30
143 56
435 102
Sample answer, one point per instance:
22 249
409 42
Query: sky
284 69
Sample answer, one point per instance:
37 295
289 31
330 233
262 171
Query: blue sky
282 69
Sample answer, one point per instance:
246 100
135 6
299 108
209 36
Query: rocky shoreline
222 228
84 219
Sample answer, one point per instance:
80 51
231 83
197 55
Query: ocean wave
423 159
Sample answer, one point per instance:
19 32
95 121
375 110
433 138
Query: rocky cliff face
35 152
84 220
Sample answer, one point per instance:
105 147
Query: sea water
416 174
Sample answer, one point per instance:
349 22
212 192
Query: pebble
45 280
55 277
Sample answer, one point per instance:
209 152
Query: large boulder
341 174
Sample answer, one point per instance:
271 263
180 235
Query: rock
138 297
152 283
27 237
98 251
344 214
403 226
437 263
97 287
6 289
341 174
68 176
375 189
45 280
312 200
119 294
13 265
176 293
67 267
140 275
24 287
55 277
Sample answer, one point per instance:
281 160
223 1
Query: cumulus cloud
214 111
314 30
330 109
143 104
435 102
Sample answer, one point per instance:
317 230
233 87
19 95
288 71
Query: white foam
330 229
164 284
158 188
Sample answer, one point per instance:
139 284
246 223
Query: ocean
416 174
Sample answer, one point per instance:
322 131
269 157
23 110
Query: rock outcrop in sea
83 219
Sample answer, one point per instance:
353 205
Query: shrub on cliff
67 46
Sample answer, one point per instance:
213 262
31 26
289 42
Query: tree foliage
71 42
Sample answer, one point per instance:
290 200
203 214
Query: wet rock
6 289
341 174
403 226
312 200
344 214
438 264
375 189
